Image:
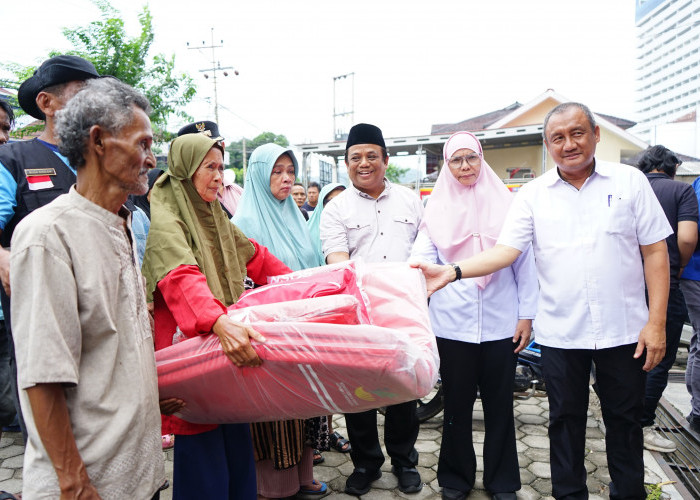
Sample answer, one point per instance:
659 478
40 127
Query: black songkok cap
210 129
364 133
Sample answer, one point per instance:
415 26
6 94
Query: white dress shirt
461 311
377 230
586 246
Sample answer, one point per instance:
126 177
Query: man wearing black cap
33 173
378 221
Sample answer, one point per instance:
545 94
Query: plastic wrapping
320 357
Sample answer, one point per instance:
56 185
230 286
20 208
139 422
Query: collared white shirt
377 230
461 311
586 245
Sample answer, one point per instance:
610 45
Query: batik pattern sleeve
46 324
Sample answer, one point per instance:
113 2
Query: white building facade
668 74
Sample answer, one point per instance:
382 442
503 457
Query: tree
394 173
106 45
235 150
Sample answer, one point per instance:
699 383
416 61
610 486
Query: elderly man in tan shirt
86 368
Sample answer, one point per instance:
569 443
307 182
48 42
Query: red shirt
183 299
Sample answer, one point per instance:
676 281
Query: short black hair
7 108
659 158
299 184
314 185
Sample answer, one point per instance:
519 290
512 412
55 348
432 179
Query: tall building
668 73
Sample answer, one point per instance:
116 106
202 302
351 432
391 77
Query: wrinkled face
299 195
4 127
282 177
571 141
465 165
313 195
209 176
127 155
366 168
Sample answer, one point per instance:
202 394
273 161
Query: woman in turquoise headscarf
267 214
328 192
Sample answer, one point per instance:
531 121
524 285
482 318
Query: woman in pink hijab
480 324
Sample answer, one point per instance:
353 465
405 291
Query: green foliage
394 173
235 150
105 43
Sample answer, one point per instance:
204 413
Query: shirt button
385 256
381 234
379 211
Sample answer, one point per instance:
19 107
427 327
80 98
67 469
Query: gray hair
106 102
563 107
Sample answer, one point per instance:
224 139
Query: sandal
168 441
318 458
309 493
339 443
4 495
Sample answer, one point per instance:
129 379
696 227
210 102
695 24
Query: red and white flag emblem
37 182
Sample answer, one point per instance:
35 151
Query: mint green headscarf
278 225
314 222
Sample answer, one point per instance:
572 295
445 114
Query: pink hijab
463 221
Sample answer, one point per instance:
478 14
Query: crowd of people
113 259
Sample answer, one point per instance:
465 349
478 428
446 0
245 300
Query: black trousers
620 381
400 433
490 367
5 301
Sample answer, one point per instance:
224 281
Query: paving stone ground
531 417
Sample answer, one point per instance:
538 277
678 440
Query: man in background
678 200
7 120
312 193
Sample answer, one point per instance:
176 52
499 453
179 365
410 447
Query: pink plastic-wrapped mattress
366 343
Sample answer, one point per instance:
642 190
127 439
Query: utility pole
340 133
215 67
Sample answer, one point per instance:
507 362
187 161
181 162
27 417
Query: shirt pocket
620 217
358 231
405 227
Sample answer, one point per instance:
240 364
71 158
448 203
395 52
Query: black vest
30 159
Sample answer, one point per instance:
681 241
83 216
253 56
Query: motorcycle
529 380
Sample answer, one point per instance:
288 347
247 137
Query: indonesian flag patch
37 182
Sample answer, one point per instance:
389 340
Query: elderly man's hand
171 405
5 270
436 276
653 338
235 341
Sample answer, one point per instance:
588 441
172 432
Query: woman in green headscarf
195 263
266 212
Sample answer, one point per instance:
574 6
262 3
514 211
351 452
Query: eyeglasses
473 160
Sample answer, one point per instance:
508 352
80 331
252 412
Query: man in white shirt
377 221
590 223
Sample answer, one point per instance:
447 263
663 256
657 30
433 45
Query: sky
415 62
